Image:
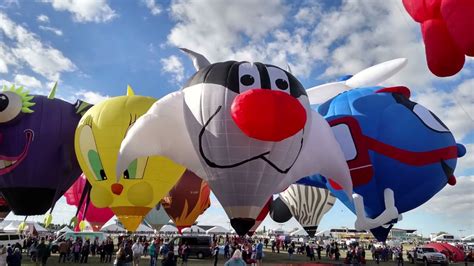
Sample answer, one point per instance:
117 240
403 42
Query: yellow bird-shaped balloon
97 142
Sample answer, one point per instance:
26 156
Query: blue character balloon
399 154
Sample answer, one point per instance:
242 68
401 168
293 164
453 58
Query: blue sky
94 48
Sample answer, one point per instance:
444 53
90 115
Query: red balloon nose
268 115
117 188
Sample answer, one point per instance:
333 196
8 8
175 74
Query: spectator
169 260
137 250
63 250
43 252
236 260
85 251
14 259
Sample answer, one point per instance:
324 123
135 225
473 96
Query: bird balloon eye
247 80
281 84
10 106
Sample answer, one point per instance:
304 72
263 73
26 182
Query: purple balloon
37 159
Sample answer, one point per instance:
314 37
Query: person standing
76 250
236 259
137 250
185 254
291 250
215 253
259 252
153 253
63 249
14 259
86 248
43 252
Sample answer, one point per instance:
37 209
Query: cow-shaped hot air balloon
399 153
188 199
306 203
37 160
246 128
144 181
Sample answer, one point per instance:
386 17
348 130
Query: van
10 238
91 236
199 246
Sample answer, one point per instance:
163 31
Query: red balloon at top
448 32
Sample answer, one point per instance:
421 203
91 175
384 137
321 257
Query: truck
427 256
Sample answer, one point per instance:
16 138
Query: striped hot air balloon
307 204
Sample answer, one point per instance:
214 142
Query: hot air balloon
381 129
307 204
447 29
261 216
157 217
245 128
37 160
78 195
144 181
188 199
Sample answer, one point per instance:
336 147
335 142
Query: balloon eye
281 84
133 171
126 175
247 80
10 106
103 175
3 102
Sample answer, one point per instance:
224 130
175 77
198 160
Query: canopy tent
468 238
193 230
299 232
217 230
454 253
112 228
143 229
65 229
12 227
168 229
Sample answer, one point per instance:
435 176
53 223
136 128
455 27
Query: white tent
168 229
193 230
36 227
299 232
65 229
143 229
217 230
12 227
113 228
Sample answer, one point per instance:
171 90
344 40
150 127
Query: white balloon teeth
387 216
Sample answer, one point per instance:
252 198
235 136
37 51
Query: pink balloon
95 216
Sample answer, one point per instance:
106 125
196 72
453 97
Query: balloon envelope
188 199
157 217
145 181
37 160
244 128
96 217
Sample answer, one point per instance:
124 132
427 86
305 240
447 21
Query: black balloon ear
82 107
279 212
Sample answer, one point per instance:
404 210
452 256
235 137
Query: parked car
199 246
10 238
427 256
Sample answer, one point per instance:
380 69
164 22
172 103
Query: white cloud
466 162
27 48
28 82
173 66
454 201
42 18
154 8
221 31
91 97
85 10
52 29
455 108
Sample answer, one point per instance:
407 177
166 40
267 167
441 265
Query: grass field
269 259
